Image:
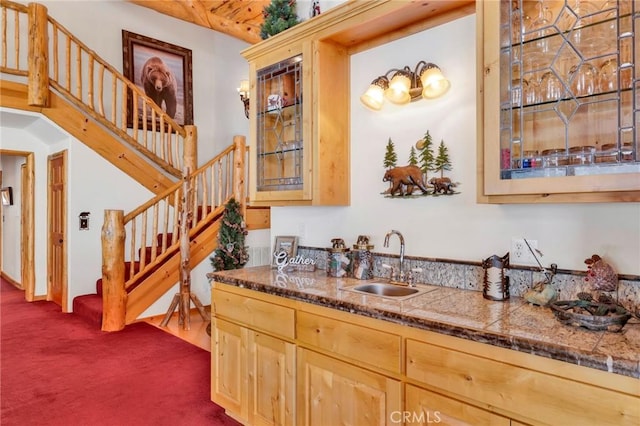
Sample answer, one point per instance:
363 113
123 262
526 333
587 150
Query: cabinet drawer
253 313
529 393
361 344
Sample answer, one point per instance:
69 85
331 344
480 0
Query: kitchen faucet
401 276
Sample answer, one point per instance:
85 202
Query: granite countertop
512 324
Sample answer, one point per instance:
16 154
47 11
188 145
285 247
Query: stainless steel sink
386 290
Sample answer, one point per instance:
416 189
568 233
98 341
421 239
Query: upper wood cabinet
299 101
299 127
558 101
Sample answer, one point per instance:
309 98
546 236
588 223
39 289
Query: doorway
26 207
57 219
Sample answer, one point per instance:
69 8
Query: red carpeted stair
89 306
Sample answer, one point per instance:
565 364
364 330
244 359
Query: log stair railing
50 56
151 234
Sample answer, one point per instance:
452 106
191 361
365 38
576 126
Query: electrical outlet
520 253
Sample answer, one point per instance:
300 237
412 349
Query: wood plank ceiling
237 18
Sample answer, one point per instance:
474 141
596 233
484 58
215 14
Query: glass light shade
433 82
399 86
244 87
373 98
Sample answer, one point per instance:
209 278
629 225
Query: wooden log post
38 61
114 294
182 300
191 147
185 253
239 171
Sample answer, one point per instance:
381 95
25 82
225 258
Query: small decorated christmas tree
390 156
278 16
231 252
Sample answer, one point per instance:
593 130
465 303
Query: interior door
57 212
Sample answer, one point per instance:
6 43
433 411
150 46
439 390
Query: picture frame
7 196
172 69
288 243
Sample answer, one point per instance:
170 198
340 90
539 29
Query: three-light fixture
243 90
402 86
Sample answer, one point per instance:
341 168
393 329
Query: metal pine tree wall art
414 179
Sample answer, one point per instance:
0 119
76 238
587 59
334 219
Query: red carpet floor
57 370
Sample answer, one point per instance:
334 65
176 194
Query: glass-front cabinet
299 144
560 101
280 144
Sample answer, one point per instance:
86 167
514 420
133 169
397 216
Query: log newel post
185 252
38 61
191 147
239 172
182 300
114 294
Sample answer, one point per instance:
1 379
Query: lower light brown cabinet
505 385
279 361
252 375
333 392
229 387
252 372
426 407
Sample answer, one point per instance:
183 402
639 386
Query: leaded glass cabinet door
280 148
569 96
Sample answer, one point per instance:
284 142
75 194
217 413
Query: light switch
84 221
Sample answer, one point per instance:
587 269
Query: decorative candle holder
495 283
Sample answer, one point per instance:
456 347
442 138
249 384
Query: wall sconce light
402 86
243 90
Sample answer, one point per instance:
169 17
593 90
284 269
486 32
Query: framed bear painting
163 71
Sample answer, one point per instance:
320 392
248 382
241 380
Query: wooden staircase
80 124
152 285
93 102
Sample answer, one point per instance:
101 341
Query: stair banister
216 182
56 59
114 297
